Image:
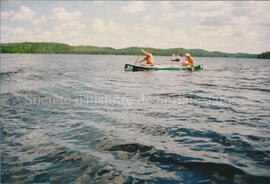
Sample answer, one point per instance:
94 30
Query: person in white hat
189 61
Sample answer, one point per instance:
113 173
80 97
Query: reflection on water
83 119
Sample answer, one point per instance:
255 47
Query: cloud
21 34
69 23
99 26
6 14
158 37
5 31
147 17
61 14
166 5
99 2
217 21
73 25
259 13
15 34
134 7
212 31
232 13
238 27
150 30
39 21
108 39
201 10
20 30
241 36
238 13
43 36
108 33
171 16
24 14
116 28
241 8
156 31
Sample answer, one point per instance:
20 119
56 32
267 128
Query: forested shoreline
60 48
264 55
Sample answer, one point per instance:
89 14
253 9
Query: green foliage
264 55
29 47
59 48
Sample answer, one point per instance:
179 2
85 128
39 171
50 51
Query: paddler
189 61
177 57
172 58
148 58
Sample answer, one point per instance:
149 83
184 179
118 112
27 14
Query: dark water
83 119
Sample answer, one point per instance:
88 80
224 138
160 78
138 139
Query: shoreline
60 48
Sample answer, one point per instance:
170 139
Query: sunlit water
83 119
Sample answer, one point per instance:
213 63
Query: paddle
137 59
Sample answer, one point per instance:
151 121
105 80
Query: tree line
264 55
60 48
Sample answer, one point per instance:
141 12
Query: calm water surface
83 119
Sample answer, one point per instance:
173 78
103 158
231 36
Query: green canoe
133 68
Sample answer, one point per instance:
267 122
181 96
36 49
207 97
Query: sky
227 26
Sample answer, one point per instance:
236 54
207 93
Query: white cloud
137 27
39 21
116 28
73 25
24 14
171 16
61 14
232 13
108 33
166 5
99 26
238 26
167 38
213 32
5 31
152 31
44 36
230 38
99 2
134 7
157 31
59 34
6 14
20 30
259 13
69 23
201 9
211 13
15 34
147 17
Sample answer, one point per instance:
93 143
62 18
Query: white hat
187 54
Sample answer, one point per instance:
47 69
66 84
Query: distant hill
60 48
264 55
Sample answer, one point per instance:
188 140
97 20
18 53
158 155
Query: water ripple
86 123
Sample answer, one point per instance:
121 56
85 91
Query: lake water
83 119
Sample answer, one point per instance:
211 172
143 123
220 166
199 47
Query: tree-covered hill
59 48
264 55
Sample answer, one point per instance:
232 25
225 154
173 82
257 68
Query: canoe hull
134 68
